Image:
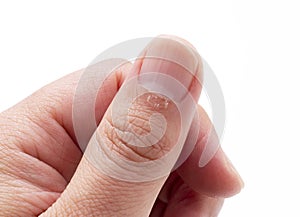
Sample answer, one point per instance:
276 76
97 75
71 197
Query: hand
42 171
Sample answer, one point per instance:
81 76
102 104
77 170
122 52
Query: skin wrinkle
110 191
116 140
10 155
140 126
22 188
122 147
76 209
35 206
148 151
26 176
35 132
11 137
50 128
132 148
9 168
139 121
36 138
119 146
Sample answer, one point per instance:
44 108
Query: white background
253 47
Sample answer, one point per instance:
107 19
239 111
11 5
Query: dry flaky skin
138 125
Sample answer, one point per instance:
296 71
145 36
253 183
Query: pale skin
40 157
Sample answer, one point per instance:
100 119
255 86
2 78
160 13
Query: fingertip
217 179
228 182
208 170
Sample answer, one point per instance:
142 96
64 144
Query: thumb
140 137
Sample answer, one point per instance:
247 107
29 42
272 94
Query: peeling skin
158 101
138 125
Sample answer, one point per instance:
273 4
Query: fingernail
176 38
169 61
